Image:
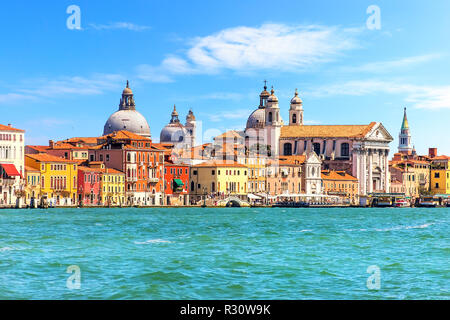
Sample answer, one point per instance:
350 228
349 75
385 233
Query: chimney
432 152
51 143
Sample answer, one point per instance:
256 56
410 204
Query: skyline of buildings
267 160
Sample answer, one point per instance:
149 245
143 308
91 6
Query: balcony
153 180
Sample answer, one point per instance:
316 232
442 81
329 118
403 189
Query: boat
290 204
401 203
428 202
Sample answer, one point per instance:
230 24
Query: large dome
173 133
257 119
127 118
130 120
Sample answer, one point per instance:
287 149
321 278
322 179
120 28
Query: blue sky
213 56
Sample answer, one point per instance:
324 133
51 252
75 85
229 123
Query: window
316 147
437 186
345 150
101 157
270 117
194 173
213 172
294 118
192 185
436 174
287 149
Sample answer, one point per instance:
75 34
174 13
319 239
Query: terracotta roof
39 148
29 169
87 140
329 131
67 146
44 157
89 169
219 163
442 157
111 171
123 134
229 134
337 175
8 128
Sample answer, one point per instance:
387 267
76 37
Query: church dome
272 98
129 120
173 133
296 101
256 119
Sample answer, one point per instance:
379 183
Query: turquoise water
232 253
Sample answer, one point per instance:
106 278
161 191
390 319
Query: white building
12 169
360 150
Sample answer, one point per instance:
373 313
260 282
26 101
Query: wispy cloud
424 97
34 89
241 114
245 49
387 66
119 25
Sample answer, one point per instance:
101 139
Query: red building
139 159
89 186
176 182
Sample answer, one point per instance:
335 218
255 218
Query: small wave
422 226
6 249
153 241
327 273
304 230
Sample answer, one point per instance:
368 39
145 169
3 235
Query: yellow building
58 178
256 165
218 179
440 175
112 186
32 186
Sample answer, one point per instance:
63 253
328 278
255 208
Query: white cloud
34 89
245 49
387 66
119 25
424 97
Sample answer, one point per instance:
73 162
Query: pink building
89 186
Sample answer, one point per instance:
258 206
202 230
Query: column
370 179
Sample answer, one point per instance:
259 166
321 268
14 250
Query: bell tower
296 111
405 145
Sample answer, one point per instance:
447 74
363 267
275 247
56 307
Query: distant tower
264 96
191 126
273 123
405 145
296 111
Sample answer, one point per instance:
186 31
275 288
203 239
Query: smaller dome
257 119
127 90
174 112
296 99
190 116
173 133
273 97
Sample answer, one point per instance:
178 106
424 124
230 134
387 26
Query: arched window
287 149
294 118
316 147
345 150
270 117
128 157
192 185
213 187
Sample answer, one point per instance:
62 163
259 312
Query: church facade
360 150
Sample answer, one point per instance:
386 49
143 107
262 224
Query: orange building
341 184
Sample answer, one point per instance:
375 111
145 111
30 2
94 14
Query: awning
10 169
253 197
178 182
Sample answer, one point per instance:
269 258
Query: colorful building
440 175
141 162
340 184
58 178
12 168
176 183
112 187
218 179
32 187
89 186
